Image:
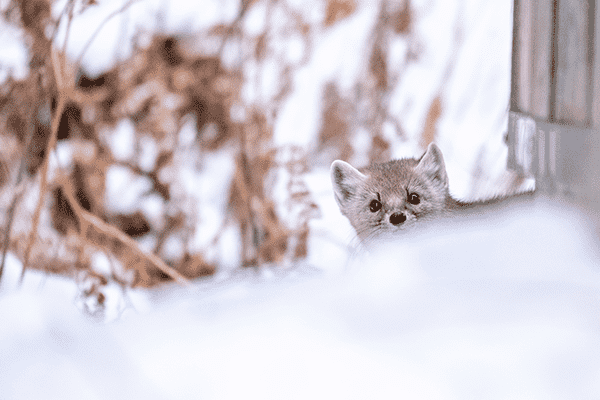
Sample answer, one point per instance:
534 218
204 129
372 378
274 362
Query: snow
13 61
124 189
115 32
505 307
121 140
337 57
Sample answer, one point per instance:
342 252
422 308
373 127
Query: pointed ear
432 165
346 180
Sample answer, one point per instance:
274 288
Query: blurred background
158 153
204 130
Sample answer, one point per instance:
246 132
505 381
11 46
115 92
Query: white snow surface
498 308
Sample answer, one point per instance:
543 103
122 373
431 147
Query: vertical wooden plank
572 69
596 70
514 63
541 58
522 51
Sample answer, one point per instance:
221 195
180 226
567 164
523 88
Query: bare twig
69 6
20 188
20 185
44 181
11 214
64 84
58 63
86 219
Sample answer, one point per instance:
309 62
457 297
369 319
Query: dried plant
57 214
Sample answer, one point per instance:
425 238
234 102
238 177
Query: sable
389 197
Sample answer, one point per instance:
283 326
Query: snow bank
504 307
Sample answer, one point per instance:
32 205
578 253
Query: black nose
397 218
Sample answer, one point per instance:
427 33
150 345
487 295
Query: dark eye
414 198
375 206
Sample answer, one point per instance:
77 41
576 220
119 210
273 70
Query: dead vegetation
55 215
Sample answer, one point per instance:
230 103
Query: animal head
389 197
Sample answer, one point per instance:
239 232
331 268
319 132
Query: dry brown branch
83 113
43 183
44 170
338 10
58 64
433 115
86 219
11 213
19 190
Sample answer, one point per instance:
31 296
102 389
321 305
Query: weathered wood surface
573 78
554 125
555 62
532 57
596 69
542 59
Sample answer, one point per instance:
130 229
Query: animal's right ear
346 180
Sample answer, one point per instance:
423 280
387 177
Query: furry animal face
389 197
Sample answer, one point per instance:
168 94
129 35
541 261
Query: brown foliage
157 89
429 131
166 85
402 19
338 10
335 128
378 67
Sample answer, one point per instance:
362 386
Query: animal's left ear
432 165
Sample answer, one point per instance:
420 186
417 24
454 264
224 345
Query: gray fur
391 184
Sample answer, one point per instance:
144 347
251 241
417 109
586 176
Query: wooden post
554 121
